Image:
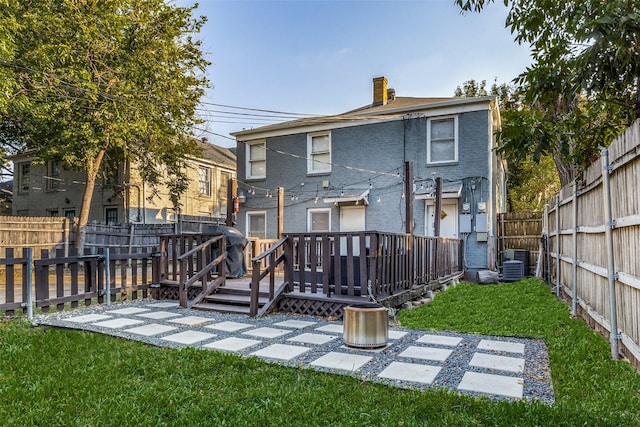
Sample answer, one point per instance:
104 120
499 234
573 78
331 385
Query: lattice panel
311 308
171 292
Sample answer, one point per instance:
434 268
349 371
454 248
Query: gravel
537 375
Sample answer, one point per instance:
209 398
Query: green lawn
72 378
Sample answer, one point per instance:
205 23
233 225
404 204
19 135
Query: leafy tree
471 88
95 78
7 27
582 88
530 183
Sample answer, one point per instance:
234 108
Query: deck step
235 299
222 308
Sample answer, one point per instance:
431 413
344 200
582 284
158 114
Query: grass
74 378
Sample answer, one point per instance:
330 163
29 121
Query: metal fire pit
366 326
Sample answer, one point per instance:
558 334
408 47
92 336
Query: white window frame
256 213
54 169
249 162
310 213
24 177
455 140
311 154
204 172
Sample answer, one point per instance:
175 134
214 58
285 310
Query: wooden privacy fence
576 229
520 230
35 232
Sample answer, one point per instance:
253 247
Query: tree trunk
93 166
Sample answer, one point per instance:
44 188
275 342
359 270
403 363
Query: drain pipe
611 274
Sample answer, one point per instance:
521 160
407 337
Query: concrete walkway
497 367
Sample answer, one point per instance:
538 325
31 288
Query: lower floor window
319 220
257 225
111 215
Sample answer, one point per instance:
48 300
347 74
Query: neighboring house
120 196
346 172
6 197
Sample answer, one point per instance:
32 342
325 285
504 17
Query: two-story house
120 195
346 172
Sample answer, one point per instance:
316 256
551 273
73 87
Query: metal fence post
558 245
29 273
574 297
611 271
107 274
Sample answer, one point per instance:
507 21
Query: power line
258 109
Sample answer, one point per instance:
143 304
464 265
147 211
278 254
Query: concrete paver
502 368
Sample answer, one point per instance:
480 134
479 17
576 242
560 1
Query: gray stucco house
346 172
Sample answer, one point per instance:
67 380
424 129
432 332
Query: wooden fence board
592 277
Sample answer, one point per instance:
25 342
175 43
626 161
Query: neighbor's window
24 177
319 153
204 181
111 215
223 189
257 160
442 140
70 213
257 225
319 220
53 175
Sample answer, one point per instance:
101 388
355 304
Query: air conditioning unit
512 271
522 255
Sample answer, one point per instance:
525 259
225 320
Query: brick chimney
380 90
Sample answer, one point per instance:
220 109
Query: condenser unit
512 271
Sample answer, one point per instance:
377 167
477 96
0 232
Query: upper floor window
24 177
204 181
319 220
53 175
442 140
257 160
319 153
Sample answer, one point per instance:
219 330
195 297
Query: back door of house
448 219
352 218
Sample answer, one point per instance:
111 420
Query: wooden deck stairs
233 297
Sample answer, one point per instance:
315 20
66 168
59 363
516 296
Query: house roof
219 155
396 107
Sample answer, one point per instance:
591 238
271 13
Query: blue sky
319 57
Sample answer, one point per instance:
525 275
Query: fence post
29 283
574 297
107 273
558 245
611 272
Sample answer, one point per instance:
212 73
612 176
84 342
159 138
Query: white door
448 218
352 218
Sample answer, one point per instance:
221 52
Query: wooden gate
520 230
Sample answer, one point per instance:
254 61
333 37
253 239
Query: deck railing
358 263
196 263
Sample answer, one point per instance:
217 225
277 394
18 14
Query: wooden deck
310 273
